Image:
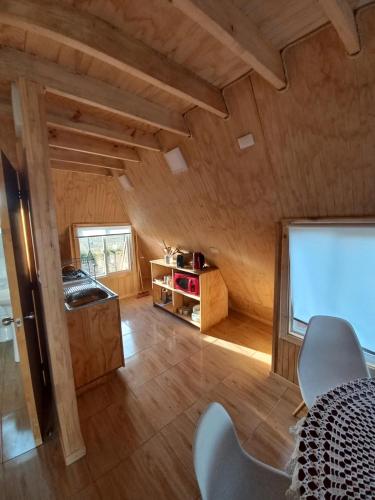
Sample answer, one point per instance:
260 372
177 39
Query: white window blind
332 272
102 231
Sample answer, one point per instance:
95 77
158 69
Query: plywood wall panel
84 198
313 130
313 157
226 195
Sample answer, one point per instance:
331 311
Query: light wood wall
86 198
313 156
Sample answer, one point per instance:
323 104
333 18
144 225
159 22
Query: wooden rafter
58 80
102 129
97 38
108 132
84 144
231 27
341 16
78 158
76 167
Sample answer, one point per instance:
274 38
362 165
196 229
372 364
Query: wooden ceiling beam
95 37
108 132
231 27
342 17
58 80
102 129
75 167
76 142
70 156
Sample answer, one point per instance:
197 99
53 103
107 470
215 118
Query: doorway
17 436
25 399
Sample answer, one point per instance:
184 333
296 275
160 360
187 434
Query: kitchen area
94 325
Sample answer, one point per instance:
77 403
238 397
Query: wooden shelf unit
213 297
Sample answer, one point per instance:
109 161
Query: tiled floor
16 436
139 425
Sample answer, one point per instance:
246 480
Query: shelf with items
212 298
183 308
167 307
181 292
162 263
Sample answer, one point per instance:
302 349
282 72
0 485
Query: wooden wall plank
34 138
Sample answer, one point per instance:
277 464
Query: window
104 249
331 271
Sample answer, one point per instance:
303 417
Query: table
335 452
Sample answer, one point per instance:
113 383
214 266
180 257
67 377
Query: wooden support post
341 15
28 99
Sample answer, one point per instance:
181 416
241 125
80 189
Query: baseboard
252 316
73 457
292 385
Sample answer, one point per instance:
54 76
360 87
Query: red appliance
186 283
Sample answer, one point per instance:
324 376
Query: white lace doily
335 453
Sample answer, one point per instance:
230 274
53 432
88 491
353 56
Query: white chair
330 355
224 470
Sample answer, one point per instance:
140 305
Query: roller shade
332 272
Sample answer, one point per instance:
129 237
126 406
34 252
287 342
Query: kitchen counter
94 324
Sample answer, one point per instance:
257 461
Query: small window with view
105 250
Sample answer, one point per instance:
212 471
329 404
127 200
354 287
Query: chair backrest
330 355
224 470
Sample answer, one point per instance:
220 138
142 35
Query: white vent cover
176 161
125 182
246 141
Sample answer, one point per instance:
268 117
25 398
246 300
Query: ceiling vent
176 161
125 182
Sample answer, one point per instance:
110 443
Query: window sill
116 274
292 338
297 339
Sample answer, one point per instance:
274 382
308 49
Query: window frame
75 248
284 310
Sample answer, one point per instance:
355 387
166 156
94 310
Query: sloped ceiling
313 156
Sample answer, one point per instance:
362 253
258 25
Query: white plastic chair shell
330 355
224 470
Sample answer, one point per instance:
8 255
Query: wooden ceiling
118 71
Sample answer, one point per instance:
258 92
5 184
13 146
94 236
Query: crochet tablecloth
335 453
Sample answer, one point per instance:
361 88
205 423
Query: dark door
24 287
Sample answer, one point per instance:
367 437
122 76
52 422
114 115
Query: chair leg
299 408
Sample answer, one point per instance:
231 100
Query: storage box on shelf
212 298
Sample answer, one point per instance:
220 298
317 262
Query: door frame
17 313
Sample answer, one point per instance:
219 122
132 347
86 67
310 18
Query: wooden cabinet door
95 341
